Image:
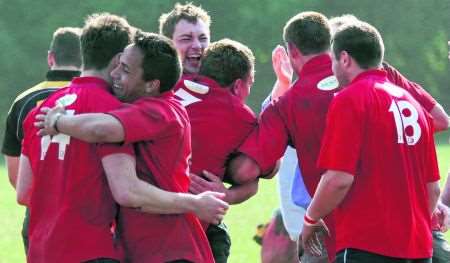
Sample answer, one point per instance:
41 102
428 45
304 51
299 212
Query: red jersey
421 95
220 122
71 206
160 131
298 118
377 132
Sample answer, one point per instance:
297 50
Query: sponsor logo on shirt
66 100
196 87
328 83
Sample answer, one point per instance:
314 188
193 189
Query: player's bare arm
89 127
24 181
12 164
243 169
433 195
332 189
440 118
234 194
130 191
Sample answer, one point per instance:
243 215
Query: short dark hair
226 61
188 12
160 59
309 32
65 46
362 42
338 21
104 35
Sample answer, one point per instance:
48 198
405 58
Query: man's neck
67 68
304 59
102 74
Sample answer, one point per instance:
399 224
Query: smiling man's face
191 40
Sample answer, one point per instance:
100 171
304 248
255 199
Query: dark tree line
415 34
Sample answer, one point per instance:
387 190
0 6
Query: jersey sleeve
28 132
11 143
105 149
417 91
144 121
268 141
343 136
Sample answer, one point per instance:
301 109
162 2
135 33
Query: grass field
241 219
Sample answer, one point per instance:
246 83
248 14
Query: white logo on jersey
66 100
61 139
185 97
328 83
196 87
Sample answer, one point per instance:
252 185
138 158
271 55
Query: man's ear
293 50
152 86
51 59
235 87
345 59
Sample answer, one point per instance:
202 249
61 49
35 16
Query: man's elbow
244 169
22 199
339 181
440 118
125 198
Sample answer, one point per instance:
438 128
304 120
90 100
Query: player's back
219 120
395 143
70 193
304 108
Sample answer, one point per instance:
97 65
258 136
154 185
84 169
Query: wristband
310 221
55 124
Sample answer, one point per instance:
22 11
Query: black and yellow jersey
25 102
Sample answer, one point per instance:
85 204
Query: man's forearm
12 163
239 193
433 195
91 127
151 199
332 189
445 197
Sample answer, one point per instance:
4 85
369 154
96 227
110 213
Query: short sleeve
341 144
267 142
105 149
145 120
11 143
28 131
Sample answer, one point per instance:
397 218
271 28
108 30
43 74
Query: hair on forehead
188 12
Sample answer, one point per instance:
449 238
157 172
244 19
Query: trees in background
415 34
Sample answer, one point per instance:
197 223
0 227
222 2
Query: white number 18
405 115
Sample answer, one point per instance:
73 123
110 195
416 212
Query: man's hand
46 120
281 65
209 207
441 215
212 183
310 237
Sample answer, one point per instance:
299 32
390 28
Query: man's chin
191 69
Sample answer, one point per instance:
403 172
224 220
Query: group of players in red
128 177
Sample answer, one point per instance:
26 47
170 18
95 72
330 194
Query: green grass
241 219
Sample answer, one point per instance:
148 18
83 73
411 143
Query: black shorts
220 242
350 255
